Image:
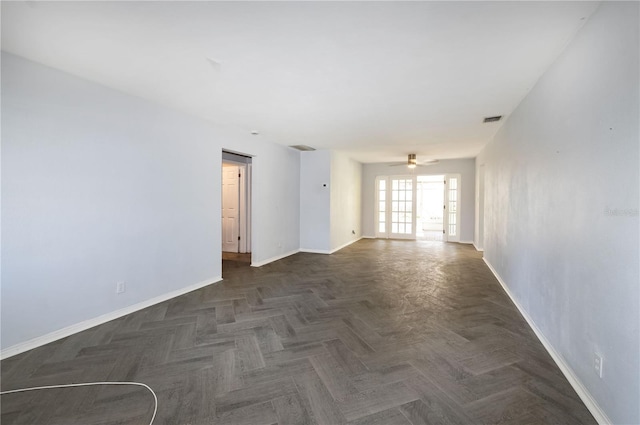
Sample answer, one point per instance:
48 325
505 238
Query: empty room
260 213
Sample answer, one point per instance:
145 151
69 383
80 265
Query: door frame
376 211
246 230
244 204
443 182
447 237
388 210
447 205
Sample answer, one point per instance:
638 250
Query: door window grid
401 206
453 206
382 203
395 215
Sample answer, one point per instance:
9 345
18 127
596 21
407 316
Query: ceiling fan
412 162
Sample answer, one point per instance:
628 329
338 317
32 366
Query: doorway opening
430 208
418 207
236 210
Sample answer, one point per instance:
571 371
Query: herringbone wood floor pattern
381 332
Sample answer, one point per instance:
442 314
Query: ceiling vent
493 119
303 148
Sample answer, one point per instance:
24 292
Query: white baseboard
368 237
476 247
345 245
315 251
466 242
584 394
272 259
326 251
87 324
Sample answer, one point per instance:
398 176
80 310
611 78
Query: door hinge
239 175
238 237
443 231
444 207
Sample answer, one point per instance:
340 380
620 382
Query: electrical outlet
120 287
597 364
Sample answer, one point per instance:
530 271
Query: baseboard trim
368 237
99 320
315 251
345 245
476 247
326 251
276 258
584 394
466 242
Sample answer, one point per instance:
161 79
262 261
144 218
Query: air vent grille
302 147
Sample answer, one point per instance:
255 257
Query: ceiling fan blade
427 163
416 164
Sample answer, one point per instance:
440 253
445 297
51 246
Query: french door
396 207
452 208
396 200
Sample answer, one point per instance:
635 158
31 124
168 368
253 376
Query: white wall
464 167
315 201
478 236
330 197
275 218
346 196
561 207
100 187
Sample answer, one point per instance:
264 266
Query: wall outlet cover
598 364
120 287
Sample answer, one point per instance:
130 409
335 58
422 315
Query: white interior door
452 192
230 207
396 207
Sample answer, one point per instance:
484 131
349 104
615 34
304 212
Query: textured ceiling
377 79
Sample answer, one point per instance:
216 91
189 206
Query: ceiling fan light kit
412 162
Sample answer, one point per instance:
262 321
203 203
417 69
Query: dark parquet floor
381 332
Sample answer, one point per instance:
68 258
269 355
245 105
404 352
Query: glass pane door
403 212
381 211
452 210
395 207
